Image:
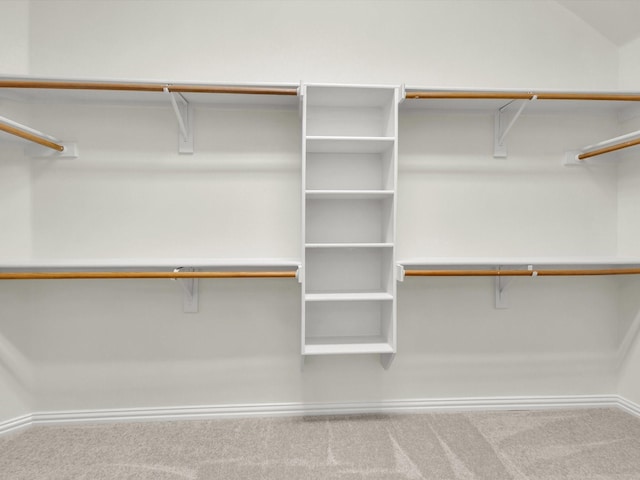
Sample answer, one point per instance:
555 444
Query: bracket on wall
571 158
37 151
399 273
184 116
502 126
302 91
299 275
386 359
190 286
502 285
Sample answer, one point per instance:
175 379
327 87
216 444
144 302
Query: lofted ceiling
617 20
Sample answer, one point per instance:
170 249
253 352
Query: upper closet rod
21 131
147 87
520 273
521 95
114 275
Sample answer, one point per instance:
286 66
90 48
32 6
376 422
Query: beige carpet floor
585 444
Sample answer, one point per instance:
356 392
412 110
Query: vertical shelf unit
349 151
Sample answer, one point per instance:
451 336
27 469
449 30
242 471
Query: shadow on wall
629 316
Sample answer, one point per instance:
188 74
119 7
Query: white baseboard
16 424
628 406
313 409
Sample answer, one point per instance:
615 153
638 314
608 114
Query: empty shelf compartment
358 327
340 220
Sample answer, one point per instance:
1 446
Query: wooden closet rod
612 148
146 87
115 275
520 273
32 137
239 90
623 97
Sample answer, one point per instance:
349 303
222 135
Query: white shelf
540 106
349 245
346 345
222 264
348 297
348 194
99 96
548 262
334 144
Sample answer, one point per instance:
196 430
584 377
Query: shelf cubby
353 327
350 111
349 270
350 171
349 221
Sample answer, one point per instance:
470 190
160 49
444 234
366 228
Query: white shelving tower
349 177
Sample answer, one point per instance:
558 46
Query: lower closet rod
520 273
32 137
612 148
115 275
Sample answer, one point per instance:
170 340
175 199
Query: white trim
15 424
300 409
629 406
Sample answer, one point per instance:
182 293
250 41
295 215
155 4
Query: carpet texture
585 444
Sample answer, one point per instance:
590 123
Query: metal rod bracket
571 159
190 287
400 273
184 116
386 359
300 273
302 91
502 284
501 128
36 151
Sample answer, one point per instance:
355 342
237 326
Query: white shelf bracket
502 285
36 151
302 91
571 159
386 359
190 287
399 273
299 274
184 116
501 127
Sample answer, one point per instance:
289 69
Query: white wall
456 200
630 352
131 195
15 219
630 65
629 227
488 43
16 373
14 36
127 343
